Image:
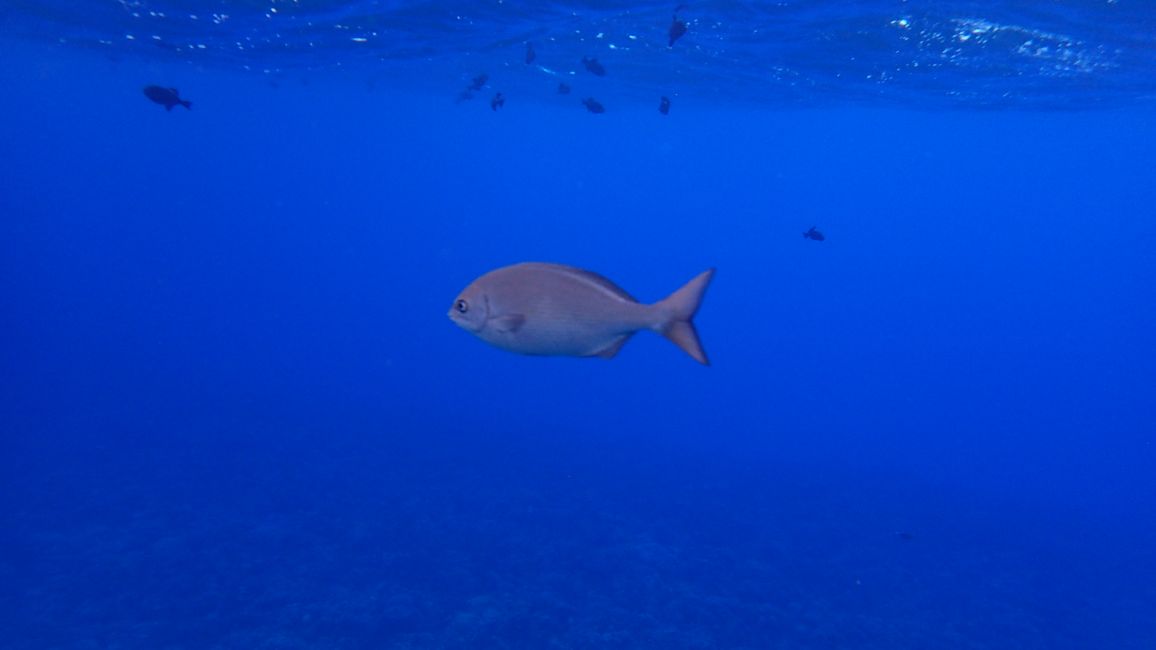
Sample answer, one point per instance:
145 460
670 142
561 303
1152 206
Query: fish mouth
464 323
476 318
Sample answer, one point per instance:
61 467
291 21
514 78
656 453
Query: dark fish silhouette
904 535
563 89
593 106
167 97
813 234
530 53
478 83
664 106
677 30
677 27
497 102
594 66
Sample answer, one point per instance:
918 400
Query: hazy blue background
233 413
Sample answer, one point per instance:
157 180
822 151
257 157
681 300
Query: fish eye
462 306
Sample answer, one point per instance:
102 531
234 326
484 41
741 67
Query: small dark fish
813 234
563 89
594 66
664 106
593 106
478 83
167 97
904 535
530 53
497 102
677 30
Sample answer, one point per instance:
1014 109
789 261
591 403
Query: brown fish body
556 310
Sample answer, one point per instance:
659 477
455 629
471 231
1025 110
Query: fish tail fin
187 104
681 306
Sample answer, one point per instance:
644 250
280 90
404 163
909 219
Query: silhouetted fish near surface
563 89
167 97
677 30
497 102
530 53
814 234
477 83
664 106
593 106
594 66
556 310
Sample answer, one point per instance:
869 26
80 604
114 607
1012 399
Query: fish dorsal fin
610 351
587 277
509 323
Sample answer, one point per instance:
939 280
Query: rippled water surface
1043 54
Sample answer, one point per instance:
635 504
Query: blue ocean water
233 413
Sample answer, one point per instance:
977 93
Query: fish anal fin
611 351
509 323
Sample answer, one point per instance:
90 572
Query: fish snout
468 315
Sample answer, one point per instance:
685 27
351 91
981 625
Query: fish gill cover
933 54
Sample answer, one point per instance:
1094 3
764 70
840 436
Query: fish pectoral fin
509 323
610 351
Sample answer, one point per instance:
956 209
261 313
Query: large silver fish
556 310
